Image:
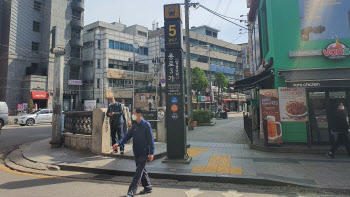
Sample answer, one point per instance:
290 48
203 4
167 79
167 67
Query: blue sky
143 12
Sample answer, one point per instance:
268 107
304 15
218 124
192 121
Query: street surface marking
193 192
232 194
192 152
218 164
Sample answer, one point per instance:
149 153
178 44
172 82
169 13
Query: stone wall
78 142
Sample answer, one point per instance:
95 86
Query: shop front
40 99
325 88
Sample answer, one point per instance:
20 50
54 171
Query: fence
78 122
248 126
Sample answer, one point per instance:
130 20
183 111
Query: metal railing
248 126
78 122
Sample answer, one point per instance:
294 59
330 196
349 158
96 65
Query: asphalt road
15 184
14 135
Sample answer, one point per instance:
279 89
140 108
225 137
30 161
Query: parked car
4 114
39 116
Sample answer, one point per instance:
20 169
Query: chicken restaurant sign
335 50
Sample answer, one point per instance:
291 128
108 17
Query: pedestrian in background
115 112
127 117
339 130
143 147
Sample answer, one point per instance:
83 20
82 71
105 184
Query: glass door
336 98
318 117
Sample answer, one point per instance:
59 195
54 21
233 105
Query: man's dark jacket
339 123
117 117
143 142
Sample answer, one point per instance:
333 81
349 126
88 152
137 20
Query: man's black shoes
122 152
146 191
330 155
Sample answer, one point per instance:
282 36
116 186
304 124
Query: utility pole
211 99
133 75
188 66
57 91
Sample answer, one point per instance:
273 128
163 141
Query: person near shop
143 147
115 112
126 117
339 130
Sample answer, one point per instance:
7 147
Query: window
215 35
74 72
97 100
98 83
208 33
37 6
36 26
142 98
99 44
98 63
111 44
145 51
127 47
76 15
141 33
131 48
121 46
35 46
162 50
116 45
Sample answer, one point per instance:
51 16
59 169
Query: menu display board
293 104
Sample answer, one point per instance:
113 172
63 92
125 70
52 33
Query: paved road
14 135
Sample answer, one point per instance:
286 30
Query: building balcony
77 24
77 5
75 42
75 61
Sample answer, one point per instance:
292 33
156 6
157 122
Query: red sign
174 108
40 95
207 90
336 50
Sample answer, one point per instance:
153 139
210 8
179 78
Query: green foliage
30 106
199 80
221 80
202 116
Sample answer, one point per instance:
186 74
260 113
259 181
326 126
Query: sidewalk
219 162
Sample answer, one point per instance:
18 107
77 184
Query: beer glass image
272 130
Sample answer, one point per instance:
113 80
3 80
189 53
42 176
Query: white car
40 116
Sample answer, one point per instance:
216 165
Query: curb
293 150
186 177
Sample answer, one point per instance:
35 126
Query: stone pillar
161 129
101 137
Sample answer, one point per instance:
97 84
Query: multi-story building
26 63
108 54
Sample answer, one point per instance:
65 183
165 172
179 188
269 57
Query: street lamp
136 46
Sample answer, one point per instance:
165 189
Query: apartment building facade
108 55
26 63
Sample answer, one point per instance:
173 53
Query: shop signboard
269 110
292 104
19 107
75 82
89 105
324 19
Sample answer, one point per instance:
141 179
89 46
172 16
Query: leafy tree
221 81
199 80
30 106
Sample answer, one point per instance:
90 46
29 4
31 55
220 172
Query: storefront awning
40 95
253 81
329 77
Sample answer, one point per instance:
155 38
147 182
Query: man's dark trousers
117 131
336 138
140 175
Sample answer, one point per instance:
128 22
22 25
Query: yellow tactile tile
192 152
218 164
236 171
1 155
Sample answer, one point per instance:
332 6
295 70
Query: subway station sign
175 90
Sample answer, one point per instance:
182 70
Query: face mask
122 105
134 117
343 108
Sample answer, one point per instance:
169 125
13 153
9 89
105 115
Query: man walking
115 112
143 147
127 118
339 130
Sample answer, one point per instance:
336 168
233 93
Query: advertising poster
293 104
89 105
324 19
269 110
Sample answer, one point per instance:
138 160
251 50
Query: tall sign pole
175 89
57 92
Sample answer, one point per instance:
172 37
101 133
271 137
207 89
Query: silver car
4 114
40 116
